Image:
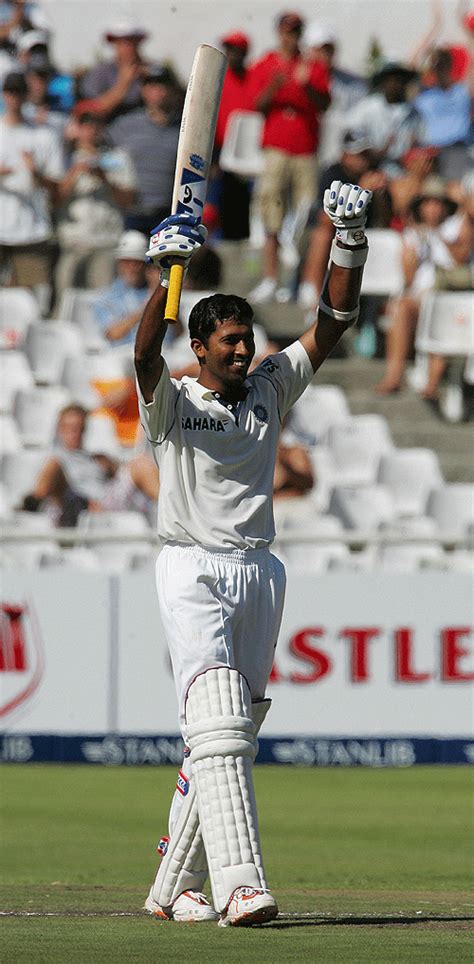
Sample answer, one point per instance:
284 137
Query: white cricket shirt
216 468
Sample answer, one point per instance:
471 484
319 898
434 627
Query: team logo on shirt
204 424
183 784
261 413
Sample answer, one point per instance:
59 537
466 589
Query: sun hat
133 245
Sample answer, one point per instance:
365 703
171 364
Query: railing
352 538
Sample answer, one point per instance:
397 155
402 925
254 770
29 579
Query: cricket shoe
188 906
248 906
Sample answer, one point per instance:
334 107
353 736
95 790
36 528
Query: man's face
235 56
13 100
156 95
394 88
357 164
227 358
289 39
71 427
132 272
126 49
432 212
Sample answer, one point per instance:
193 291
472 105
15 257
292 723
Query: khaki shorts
27 265
288 180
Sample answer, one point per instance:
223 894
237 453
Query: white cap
124 28
31 38
132 244
320 32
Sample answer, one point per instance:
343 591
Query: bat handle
174 292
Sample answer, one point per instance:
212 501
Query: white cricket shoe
264 292
248 906
189 906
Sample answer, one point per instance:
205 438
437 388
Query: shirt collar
203 391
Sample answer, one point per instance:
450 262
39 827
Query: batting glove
346 206
176 237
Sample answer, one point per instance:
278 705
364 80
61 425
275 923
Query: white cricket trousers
220 608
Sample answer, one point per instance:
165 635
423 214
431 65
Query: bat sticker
192 194
197 162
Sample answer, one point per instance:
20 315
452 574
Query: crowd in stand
87 165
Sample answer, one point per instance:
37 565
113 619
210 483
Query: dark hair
205 269
441 59
209 312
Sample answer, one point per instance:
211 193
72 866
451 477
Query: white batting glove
346 206
176 237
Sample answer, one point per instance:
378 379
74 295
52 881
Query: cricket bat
193 157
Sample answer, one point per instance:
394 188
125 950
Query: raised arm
346 206
174 238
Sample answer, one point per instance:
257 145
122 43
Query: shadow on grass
312 920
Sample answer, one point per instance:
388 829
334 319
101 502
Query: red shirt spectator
292 119
236 94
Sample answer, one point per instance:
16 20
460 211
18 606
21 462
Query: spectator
293 476
117 309
233 191
39 107
440 238
131 486
70 479
393 124
18 17
292 93
114 86
347 89
34 45
150 135
97 188
357 164
445 108
31 166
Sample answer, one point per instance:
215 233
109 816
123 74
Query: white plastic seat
36 412
48 344
363 507
100 436
383 273
305 557
410 474
9 437
77 557
241 151
18 310
446 323
118 556
319 407
34 553
19 470
351 456
460 560
452 508
15 374
77 306
411 556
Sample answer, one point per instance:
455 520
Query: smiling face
226 358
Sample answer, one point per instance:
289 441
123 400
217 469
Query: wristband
349 259
347 317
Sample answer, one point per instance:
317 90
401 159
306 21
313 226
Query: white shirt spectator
91 218
391 128
24 207
431 246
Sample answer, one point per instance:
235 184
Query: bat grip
174 292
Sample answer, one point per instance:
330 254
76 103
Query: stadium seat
363 507
351 456
452 508
241 151
77 557
383 273
410 557
118 556
31 554
48 344
100 436
15 374
18 310
319 407
5 502
460 560
307 558
19 470
76 306
9 436
410 474
446 323
36 413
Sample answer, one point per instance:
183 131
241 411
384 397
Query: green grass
367 865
